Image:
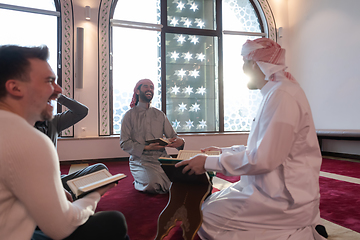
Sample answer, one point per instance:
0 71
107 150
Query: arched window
30 23
43 22
191 51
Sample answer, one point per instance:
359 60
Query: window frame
106 11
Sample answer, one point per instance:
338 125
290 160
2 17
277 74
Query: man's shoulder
287 87
14 130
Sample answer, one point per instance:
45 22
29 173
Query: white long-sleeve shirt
31 192
279 168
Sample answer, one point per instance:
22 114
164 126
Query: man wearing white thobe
278 194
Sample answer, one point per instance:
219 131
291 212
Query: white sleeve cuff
212 163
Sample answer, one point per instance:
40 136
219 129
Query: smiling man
31 192
278 194
142 123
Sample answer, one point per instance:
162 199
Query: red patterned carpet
339 200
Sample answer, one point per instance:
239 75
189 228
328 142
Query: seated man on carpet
141 123
61 121
278 194
31 193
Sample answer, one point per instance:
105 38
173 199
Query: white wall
324 49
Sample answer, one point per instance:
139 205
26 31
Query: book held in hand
185 154
161 141
90 182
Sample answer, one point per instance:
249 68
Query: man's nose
57 89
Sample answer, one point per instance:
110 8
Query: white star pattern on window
201 90
187 56
174 55
188 90
181 6
194 73
194 39
194 7
195 107
181 73
175 90
189 124
182 107
187 23
199 22
200 56
202 124
181 39
174 22
175 124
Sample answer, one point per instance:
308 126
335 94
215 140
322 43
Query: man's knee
97 167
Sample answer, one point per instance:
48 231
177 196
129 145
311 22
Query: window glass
191 14
147 11
191 63
240 103
239 15
30 29
40 4
136 56
191 82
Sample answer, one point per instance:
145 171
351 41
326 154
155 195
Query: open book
86 184
161 141
185 154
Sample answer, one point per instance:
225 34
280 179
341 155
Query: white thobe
278 194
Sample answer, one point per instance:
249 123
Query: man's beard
144 98
46 116
251 85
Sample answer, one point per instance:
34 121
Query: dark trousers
109 225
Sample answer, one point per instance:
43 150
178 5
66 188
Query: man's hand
104 189
176 142
68 195
212 148
153 147
195 164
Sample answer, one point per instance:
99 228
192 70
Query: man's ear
14 88
137 92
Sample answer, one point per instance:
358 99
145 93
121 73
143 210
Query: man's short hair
14 62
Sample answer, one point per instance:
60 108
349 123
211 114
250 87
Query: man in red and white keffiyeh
278 194
268 56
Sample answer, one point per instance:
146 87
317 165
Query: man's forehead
41 66
146 84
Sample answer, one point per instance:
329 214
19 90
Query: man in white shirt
278 194
31 192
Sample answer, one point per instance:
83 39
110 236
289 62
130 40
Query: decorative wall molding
67 55
104 67
267 18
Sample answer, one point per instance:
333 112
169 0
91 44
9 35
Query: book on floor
161 141
183 155
85 184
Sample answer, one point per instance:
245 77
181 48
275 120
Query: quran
161 141
185 154
85 184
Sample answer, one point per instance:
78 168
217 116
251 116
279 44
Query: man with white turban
141 123
278 195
